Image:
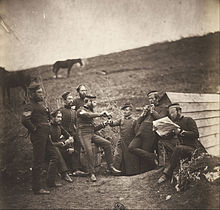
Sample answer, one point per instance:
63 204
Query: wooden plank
207 121
214 150
196 107
201 115
192 97
205 131
208 141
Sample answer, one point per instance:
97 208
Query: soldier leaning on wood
36 118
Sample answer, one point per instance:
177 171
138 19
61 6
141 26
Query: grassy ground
187 65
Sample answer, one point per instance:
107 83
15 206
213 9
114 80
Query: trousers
86 139
42 146
180 152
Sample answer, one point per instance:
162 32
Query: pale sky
51 30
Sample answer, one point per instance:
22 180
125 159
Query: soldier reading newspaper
164 126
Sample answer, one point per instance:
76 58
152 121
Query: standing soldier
69 124
36 118
125 161
79 102
87 129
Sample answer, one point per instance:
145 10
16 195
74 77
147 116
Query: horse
65 64
14 79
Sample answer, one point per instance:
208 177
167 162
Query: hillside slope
187 65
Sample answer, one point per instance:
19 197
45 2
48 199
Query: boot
93 178
113 170
66 177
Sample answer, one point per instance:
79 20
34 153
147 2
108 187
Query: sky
39 32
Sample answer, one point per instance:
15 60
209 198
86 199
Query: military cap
64 96
174 105
55 112
34 87
152 91
128 104
90 96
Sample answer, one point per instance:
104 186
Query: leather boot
113 170
93 178
66 177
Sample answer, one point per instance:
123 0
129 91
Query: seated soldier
63 146
187 134
124 160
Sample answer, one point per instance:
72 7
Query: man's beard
69 104
82 95
37 98
56 123
91 107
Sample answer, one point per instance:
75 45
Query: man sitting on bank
62 141
187 134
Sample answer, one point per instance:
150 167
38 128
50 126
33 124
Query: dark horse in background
66 64
14 79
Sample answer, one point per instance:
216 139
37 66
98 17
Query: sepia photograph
109 104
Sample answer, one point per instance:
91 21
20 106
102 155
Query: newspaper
164 126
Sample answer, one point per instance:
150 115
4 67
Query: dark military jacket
68 119
56 132
35 115
78 102
128 128
190 133
129 162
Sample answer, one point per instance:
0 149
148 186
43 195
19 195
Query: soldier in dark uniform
79 102
187 134
145 142
69 124
62 141
125 161
36 118
86 131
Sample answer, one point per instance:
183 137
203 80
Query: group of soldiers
61 135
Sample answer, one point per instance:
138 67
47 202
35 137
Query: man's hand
105 114
152 108
107 122
60 144
177 131
69 141
70 150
